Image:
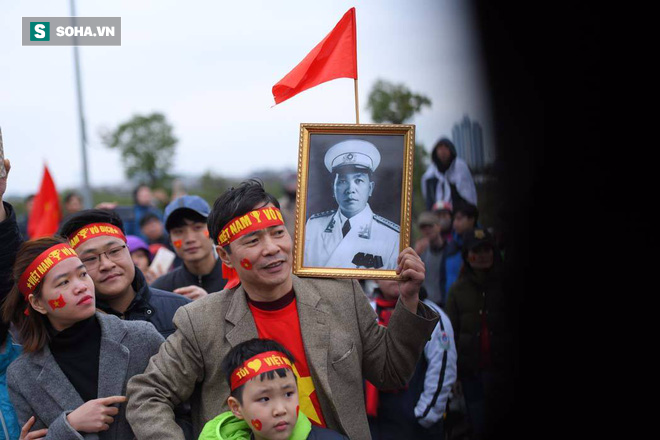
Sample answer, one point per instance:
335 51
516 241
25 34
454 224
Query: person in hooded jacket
480 311
447 178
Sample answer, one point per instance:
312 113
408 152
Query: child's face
270 407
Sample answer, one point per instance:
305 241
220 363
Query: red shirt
283 326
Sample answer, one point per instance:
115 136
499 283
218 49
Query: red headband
94 230
257 365
41 265
252 221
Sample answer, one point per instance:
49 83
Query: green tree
396 104
212 185
147 147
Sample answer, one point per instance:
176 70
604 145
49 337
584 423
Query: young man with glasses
121 289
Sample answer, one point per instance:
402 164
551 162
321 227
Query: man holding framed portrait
328 324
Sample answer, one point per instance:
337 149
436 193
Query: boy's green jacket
227 426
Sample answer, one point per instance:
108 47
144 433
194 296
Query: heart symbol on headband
254 365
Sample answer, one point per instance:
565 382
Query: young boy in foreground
263 398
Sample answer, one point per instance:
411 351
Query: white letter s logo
39 31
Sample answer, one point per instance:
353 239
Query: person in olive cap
201 271
351 236
480 313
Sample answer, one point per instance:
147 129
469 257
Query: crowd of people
177 323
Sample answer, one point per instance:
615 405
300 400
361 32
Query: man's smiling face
263 258
115 271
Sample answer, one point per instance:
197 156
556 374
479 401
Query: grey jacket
37 385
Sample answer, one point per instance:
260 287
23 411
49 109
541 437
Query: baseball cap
427 218
192 203
477 237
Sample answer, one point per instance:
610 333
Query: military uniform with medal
351 236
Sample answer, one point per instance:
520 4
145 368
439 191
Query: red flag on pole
334 57
45 215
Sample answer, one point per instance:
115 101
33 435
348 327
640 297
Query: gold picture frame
392 176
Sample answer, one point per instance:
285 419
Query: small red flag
45 215
334 57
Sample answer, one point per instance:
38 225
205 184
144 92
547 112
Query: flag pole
357 107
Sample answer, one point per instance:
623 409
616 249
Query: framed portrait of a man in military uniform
353 204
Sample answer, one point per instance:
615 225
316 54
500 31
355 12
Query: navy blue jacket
153 305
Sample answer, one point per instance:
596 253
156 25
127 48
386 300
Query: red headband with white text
37 270
257 365
94 230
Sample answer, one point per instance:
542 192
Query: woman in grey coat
76 362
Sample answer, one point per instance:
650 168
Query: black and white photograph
353 204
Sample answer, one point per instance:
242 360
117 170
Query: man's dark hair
468 210
85 217
70 195
244 351
178 218
149 216
235 202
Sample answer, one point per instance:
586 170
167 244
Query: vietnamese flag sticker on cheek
177 243
257 424
246 264
57 303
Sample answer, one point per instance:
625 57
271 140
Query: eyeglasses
92 261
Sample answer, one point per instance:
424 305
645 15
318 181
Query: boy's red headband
244 224
257 365
37 270
94 230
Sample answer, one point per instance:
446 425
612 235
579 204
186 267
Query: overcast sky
209 66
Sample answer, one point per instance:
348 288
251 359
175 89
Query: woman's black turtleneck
76 350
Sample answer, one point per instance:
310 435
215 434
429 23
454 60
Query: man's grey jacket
343 343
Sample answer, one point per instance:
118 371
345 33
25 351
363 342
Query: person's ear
371 187
36 304
224 256
235 407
